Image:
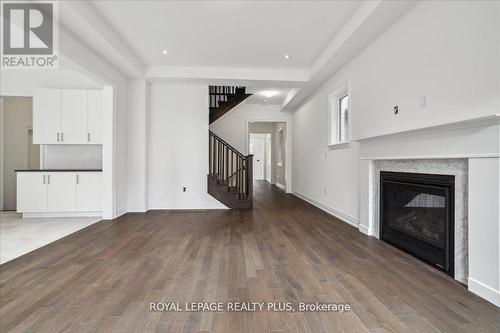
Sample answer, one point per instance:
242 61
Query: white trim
349 219
120 211
26 93
280 186
340 145
466 123
484 291
185 205
62 214
136 208
364 229
433 157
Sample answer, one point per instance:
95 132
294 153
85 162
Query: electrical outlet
423 102
184 189
396 109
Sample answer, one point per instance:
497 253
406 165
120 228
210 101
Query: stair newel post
227 163
249 174
209 153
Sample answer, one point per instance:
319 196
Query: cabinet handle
43 179
78 179
88 137
58 137
48 179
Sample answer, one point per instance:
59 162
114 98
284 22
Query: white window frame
334 118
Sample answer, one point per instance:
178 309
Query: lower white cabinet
59 192
31 192
87 198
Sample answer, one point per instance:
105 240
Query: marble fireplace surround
468 149
454 167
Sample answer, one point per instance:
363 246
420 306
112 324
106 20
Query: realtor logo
30 34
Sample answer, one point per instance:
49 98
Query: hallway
102 278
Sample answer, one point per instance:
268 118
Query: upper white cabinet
67 116
94 116
74 116
46 116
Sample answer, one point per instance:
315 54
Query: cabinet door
94 116
61 192
73 116
89 192
46 116
31 192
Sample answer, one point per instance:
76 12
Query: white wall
446 51
138 146
178 147
24 82
232 126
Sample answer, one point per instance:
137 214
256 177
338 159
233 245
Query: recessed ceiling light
165 52
287 56
269 93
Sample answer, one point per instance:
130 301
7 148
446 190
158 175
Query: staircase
230 178
224 98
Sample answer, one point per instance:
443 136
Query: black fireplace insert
417 216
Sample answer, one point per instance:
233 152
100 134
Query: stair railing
218 94
230 167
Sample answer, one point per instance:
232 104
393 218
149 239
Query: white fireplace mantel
478 142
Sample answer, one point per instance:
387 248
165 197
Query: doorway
267 142
260 148
19 150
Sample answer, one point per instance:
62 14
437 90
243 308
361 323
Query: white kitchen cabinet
61 192
74 116
46 116
88 198
31 192
94 116
67 116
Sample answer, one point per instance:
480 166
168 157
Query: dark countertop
59 170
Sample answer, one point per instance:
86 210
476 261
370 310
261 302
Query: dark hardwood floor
102 278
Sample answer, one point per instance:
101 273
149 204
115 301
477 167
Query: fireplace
417 216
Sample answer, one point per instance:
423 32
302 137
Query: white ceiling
242 34
259 95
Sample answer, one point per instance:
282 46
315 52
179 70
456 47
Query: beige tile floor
19 236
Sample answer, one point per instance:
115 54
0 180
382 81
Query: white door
31 192
74 116
61 192
89 192
94 116
46 116
257 145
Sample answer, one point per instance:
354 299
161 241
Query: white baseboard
186 205
120 211
349 219
136 209
62 214
280 186
484 291
364 229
